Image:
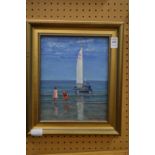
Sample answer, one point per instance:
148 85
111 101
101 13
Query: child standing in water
65 98
55 97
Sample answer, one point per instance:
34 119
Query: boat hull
85 89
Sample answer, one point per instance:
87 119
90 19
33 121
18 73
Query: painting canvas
74 78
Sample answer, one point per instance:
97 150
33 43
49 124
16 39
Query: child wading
65 103
65 95
55 97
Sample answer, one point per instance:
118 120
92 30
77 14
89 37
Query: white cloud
89 49
85 41
54 44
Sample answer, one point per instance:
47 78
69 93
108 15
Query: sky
59 57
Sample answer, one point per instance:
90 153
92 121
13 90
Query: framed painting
74 77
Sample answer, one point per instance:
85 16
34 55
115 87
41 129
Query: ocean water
84 107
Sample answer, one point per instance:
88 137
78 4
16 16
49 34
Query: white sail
79 69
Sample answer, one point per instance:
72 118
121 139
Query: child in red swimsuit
65 103
65 95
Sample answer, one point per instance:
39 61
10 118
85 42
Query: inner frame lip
73 35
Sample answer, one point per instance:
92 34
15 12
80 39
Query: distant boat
81 86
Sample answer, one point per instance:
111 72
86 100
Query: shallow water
86 107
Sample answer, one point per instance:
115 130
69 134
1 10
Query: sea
83 107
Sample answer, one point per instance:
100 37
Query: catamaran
81 86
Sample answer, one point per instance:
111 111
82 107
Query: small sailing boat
81 86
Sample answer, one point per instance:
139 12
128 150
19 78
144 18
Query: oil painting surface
74 78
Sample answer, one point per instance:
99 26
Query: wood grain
122 152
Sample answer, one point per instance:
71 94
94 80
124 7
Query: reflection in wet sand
77 107
56 110
80 108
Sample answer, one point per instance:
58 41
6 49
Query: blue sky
59 54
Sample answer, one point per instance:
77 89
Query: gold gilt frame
114 29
